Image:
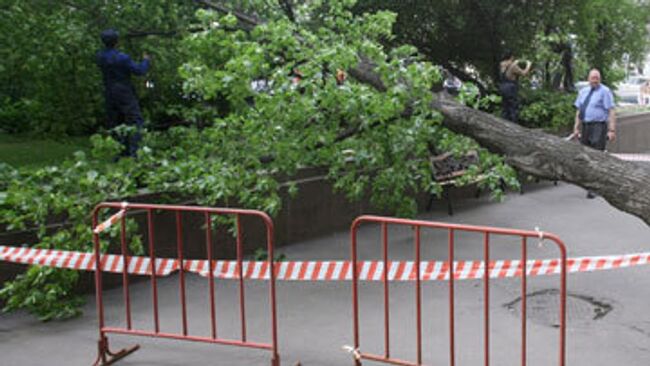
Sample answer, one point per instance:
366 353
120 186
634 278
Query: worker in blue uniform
122 104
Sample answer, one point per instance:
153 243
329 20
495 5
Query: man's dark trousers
594 135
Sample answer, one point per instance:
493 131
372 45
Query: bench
446 169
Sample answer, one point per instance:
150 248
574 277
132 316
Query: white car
628 91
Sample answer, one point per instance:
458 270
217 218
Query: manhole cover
543 307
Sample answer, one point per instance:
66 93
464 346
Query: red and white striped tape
85 261
111 220
634 157
320 270
627 157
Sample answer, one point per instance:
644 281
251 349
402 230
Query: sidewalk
315 317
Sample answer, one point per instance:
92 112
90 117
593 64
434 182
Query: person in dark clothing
122 105
595 120
509 73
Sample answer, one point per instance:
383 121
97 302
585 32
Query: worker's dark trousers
123 108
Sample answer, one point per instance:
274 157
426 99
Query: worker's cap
109 37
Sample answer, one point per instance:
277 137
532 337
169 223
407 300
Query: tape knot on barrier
111 220
540 234
354 351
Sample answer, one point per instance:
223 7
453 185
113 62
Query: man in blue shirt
121 101
595 120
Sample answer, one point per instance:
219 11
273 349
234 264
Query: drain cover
543 307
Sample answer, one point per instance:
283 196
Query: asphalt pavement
608 312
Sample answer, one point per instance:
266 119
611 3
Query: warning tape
319 270
627 157
111 220
85 261
634 157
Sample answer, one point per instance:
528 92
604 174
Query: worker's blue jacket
121 101
117 67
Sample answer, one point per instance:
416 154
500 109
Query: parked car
628 91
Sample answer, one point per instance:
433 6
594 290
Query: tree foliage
271 99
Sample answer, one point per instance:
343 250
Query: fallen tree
623 184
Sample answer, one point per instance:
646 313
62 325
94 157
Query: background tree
606 30
468 37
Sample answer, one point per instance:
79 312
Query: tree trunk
567 64
625 185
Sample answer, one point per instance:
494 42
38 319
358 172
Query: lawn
29 152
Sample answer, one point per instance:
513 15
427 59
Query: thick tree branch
146 33
287 7
463 76
160 33
364 74
247 20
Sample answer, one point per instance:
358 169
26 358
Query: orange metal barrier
105 356
452 229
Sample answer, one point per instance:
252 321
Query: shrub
551 111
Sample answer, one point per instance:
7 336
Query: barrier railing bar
101 356
418 296
179 244
190 338
208 243
392 361
462 227
240 268
125 273
275 361
452 273
562 300
524 299
274 318
355 290
152 266
384 244
486 296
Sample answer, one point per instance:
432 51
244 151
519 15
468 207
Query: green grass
28 152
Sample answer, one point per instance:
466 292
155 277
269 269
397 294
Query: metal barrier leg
106 357
275 361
